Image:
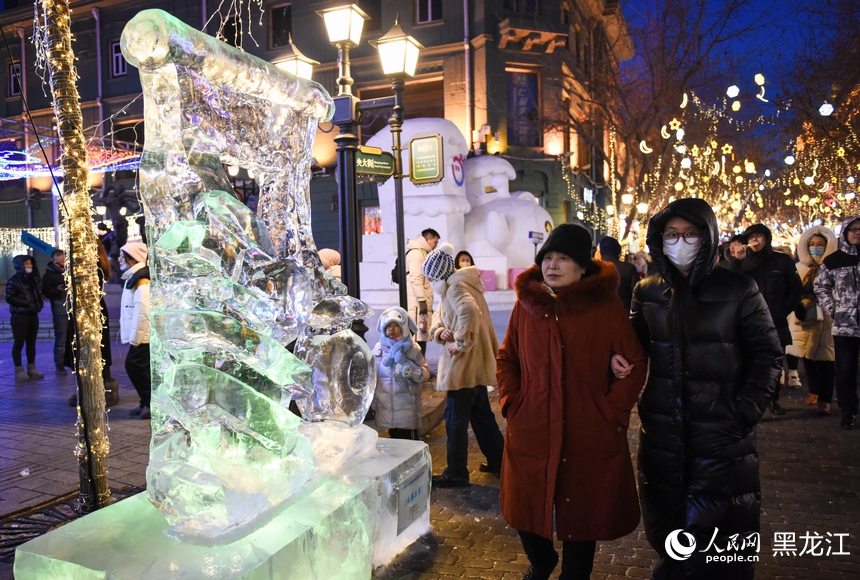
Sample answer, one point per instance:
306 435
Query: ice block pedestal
338 529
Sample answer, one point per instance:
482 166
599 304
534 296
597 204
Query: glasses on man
690 237
853 230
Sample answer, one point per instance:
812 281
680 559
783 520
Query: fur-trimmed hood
589 292
803 244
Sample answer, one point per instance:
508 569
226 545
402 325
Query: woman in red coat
566 451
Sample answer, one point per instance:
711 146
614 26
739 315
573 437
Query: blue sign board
36 243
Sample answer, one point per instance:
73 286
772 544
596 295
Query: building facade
501 70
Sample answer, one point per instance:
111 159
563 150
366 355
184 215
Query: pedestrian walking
838 291
811 327
644 266
566 464
714 361
419 293
467 365
24 297
400 370
54 289
463 259
610 251
134 323
777 280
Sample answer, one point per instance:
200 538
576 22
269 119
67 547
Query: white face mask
28 270
682 254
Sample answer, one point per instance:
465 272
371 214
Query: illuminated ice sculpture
231 288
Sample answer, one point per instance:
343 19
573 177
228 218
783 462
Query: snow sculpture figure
441 206
499 223
230 289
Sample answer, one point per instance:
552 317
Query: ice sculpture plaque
231 288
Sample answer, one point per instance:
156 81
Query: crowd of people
716 329
26 292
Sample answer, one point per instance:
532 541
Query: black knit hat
571 240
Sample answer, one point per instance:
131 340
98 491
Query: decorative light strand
55 48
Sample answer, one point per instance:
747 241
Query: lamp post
399 55
295 62
344 24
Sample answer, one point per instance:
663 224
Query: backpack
395 279
395 272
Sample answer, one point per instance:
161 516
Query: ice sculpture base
327 533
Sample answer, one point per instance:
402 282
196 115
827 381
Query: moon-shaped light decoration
664 133
643 147
684 101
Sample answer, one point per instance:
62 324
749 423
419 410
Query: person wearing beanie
610 251
400 370
419 291
715 358
566 467
331 261
462 325
779 283
24 297
134 322
838 291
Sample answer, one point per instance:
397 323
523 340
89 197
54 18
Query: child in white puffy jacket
401 369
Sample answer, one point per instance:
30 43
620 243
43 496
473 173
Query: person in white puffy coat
811 327
134 322
401 369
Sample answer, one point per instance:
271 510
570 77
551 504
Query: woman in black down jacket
715 358
24 297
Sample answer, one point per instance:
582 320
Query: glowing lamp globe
398 51
642 208
296 63
733 91
627 198
344 24
826 110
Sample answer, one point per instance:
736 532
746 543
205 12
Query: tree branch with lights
54 39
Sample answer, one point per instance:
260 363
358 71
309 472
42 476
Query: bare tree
681 46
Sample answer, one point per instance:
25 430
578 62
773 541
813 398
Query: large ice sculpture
231 289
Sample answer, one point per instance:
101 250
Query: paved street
810 470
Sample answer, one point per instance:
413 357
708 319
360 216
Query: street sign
425 159
536 237
374 163
376 103
36 243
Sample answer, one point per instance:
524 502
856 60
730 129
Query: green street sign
374 164
425 159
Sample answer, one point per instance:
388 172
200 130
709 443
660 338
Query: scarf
398 348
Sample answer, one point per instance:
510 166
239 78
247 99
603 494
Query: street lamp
295 62
399 55
344 24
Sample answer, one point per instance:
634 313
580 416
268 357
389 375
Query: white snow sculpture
499 223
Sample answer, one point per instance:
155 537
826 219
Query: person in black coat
779 283
54 289
715 359
610 251
24 297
